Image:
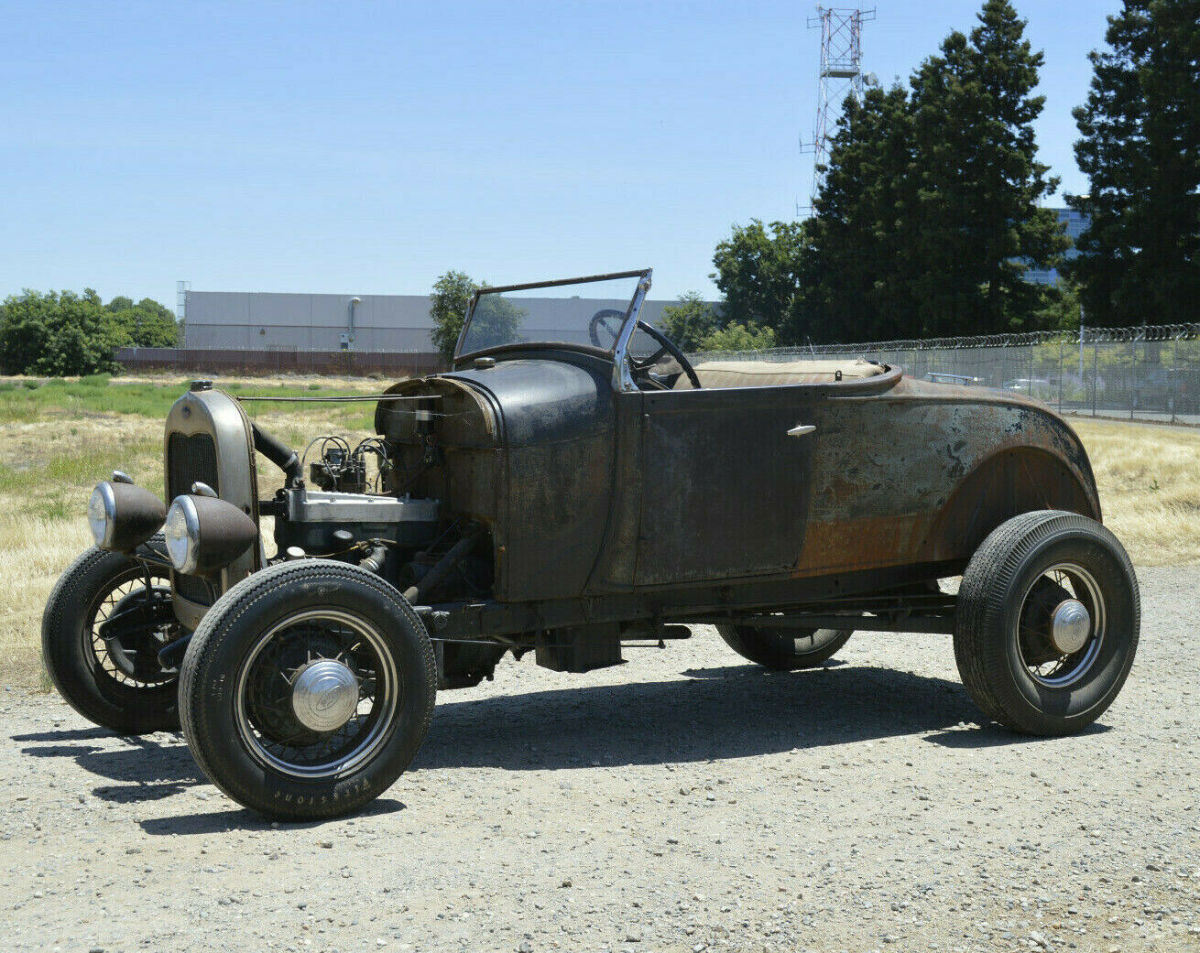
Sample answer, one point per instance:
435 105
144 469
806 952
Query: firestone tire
98 678
307 689
784 649
1048 621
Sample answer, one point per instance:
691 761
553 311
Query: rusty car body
571 485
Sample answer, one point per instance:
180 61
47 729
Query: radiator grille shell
208 439
191 458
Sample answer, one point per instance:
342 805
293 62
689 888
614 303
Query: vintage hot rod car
574 484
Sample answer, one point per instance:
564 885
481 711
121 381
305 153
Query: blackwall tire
257 708
83 666
784 649
1048 622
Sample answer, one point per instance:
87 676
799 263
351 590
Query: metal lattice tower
841 76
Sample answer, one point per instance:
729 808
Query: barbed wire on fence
1150 372
1152 332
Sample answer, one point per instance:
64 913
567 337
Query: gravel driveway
685 801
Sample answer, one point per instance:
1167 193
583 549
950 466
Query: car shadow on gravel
146 767
153 768
992 736
713 714
65 734
241 819
716 713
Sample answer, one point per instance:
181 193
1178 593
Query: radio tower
841 76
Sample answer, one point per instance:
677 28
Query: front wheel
105 622
307 689
1048 622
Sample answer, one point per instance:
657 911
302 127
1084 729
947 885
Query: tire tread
983 600
225 612
72 593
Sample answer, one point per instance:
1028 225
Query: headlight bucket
205 534
123 516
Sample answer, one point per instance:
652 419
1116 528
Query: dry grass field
58 438
1149 480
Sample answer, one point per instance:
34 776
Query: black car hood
545 400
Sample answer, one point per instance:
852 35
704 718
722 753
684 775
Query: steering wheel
641 369
666 346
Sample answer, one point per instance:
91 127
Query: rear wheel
1048 622
307 689
104 624
784 649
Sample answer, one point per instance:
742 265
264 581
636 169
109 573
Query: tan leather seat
770 374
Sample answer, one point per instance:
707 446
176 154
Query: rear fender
1004 485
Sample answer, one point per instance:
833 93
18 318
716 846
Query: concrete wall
206 362
265 321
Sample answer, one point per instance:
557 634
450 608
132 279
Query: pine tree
1140 148
976 224
857 264
928 216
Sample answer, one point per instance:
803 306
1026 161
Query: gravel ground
686 801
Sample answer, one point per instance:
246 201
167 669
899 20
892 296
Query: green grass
56 508
67 468
27 401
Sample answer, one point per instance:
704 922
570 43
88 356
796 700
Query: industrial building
1077 223
267 321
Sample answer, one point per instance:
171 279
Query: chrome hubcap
318 695
1062 625
325 695
1070 626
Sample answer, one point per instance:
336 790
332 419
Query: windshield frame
619 345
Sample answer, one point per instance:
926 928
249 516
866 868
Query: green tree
759 272
1061 309
858 264
495 321
145 324
1140 148
738 337
928 216
448 308
690 321
977 226
55 334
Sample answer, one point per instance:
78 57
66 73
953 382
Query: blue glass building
1077 224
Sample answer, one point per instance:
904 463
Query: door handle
801 429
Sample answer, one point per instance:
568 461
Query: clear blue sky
367 147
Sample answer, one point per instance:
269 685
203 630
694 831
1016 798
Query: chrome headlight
102 514
205 534
182 533
123 516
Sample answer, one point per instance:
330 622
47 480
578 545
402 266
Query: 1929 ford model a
564 490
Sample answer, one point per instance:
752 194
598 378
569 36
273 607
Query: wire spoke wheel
307 689
319 731
125 628
107 619
1061 625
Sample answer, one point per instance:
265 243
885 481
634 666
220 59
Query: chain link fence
1142 373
